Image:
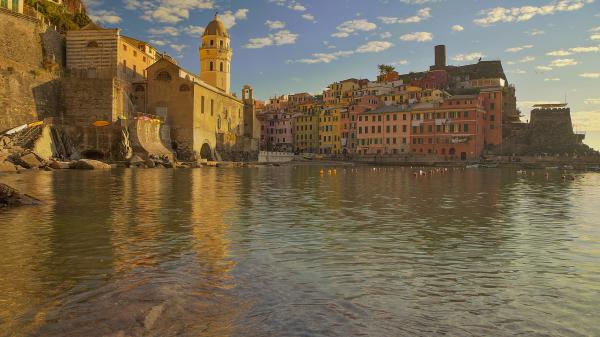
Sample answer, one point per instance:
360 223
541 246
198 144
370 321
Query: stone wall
31 59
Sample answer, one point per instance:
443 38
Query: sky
550 49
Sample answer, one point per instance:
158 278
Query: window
163 76
395 117
403 140
212 66
124 47
92 44
403 117
395 128
221 43
202 105
492 118
212 43
379 118
466 128
387 117
212 107
221 66
466 114
134 53
492 106
403 128
372 129
387 128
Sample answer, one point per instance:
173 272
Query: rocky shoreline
10 197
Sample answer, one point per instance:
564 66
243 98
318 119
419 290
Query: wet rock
6 166
153 316
10 197
136 160
30 160
89 164
59 165
150 163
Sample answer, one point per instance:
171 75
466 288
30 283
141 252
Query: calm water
284 251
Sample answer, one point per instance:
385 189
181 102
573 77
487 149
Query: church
206 120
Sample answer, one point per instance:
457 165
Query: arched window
212 66
163 76
92 44
184 87
221 66
221 43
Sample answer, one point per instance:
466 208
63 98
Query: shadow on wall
46 97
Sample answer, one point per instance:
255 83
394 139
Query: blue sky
549 48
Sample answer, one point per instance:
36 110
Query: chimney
440 56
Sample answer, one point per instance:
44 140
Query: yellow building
329 130
206 121
12 5
307 128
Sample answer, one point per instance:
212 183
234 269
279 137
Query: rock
59 165
89 164
150 163
136 160
30 160
6 166
9 197
152 316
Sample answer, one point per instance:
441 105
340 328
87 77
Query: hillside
71 15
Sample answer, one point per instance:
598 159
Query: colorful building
307 130
12 5
384 130
329 130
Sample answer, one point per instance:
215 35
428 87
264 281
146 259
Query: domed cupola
215 55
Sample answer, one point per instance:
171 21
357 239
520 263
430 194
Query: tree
385 69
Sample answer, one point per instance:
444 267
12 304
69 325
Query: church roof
216 27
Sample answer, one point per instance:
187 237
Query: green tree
385 69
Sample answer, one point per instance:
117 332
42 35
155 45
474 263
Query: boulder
6 166
135 160
59 165
9 197
150 163
30 160
89 164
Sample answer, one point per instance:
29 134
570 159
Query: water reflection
288 251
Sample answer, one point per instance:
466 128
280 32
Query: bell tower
215 56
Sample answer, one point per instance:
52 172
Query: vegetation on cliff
71 15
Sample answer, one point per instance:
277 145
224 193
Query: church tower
215 56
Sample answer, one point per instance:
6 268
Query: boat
472 166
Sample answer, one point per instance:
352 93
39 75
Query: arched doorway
206 152
92 154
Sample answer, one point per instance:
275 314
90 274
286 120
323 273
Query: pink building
385 130
349 122
276 131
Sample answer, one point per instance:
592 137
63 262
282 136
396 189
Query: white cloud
323 57
297 7
534 32
104 16
595 37
559 63
230 18
422 14
590 75
527 59
172 31
518 49
591 119
385 35
543 68
168 11
458 28
400 63
417 36
158 42
518 71
575 50
595 29
468 57
553 79
194 30
374 47
279 38
308 17
592 101
526 13
177 47
353 26
561 52
275 24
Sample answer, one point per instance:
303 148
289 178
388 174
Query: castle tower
215 56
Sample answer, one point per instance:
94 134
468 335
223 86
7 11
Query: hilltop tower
215 56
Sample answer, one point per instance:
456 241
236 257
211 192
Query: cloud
168 11
417 36
104 16
527 59
595 29
194 30
177 47
554 79
595 37
468 57
308 17
534 32
297 7
159 42
353 26
591 119
590 75
561 52
230 18
591 101
385 35
526 13
400 63
543 68
559 63
374 47
172 31
279 38
323 57
518 49
458 28
275 24
422 14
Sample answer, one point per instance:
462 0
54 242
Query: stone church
206 120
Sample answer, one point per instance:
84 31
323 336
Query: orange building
384 130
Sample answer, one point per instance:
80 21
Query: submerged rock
10 197
89 164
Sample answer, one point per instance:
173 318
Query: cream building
206 120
